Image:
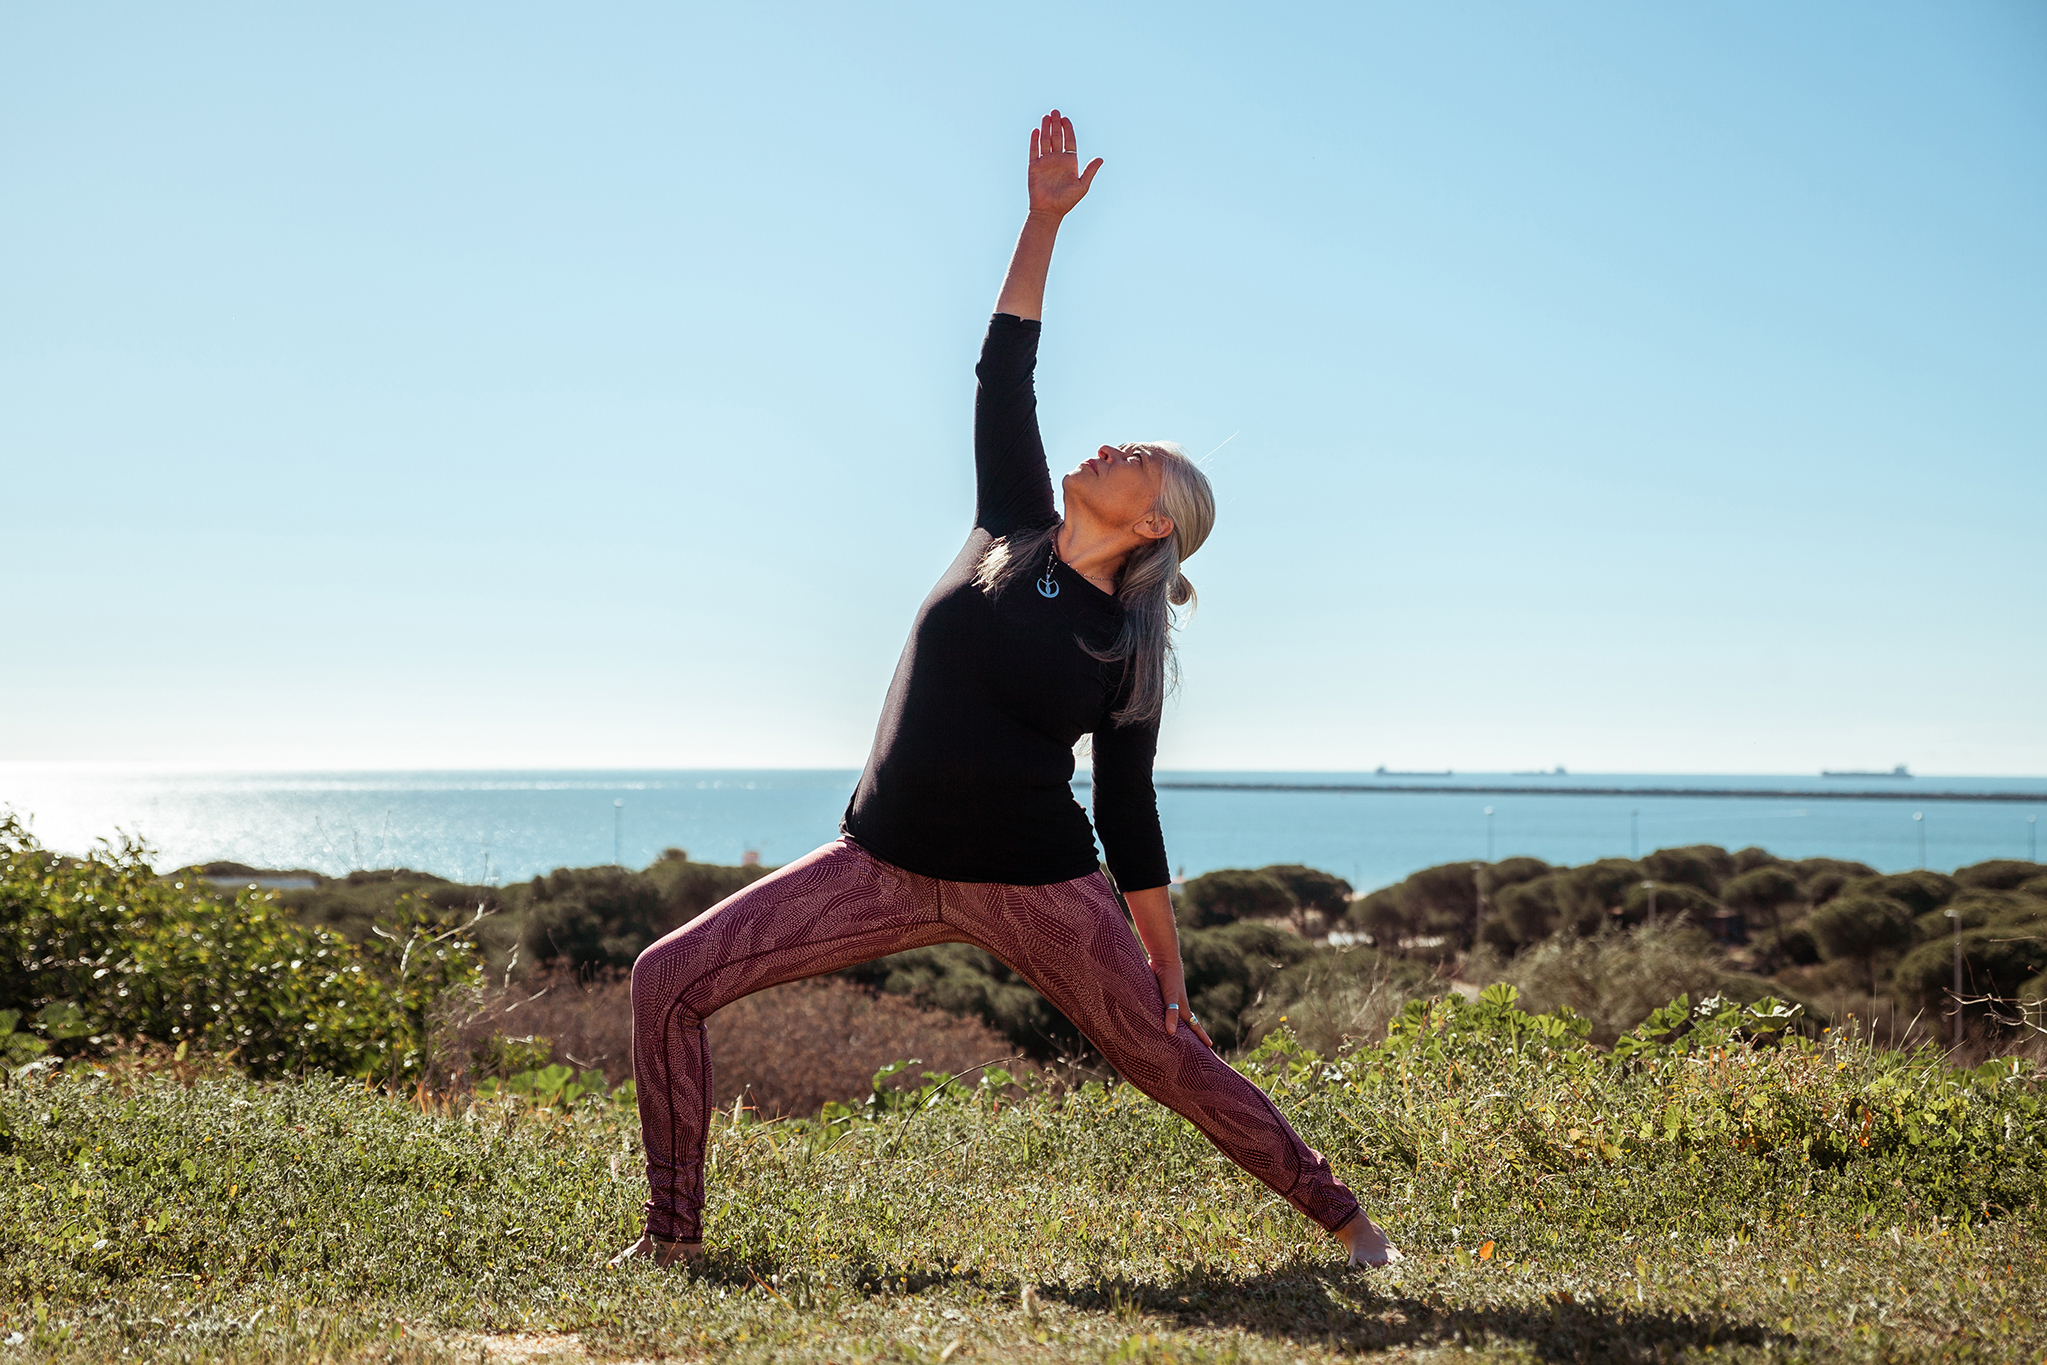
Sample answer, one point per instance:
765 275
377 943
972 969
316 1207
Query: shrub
1997 961
1862 927
592 918
1796 945
1760 894
1823 878
1918 891
1333 1001
1979 908
1230 969
1704 867
1751 858
1672 902
1999 874
1382 915
97 950
1760 890
1229 895
1525 914
1615 980
787 1050
957 978
1589 892
1311 889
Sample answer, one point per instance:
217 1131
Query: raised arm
1013 489
1056 184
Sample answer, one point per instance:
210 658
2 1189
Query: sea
1370 828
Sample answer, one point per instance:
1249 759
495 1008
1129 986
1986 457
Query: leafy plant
98 950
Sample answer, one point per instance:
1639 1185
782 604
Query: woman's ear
1154 526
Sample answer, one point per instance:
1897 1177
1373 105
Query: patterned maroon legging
842 905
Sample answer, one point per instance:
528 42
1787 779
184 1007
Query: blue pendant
1048 586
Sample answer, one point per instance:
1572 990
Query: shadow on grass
1357 1310
1337 1308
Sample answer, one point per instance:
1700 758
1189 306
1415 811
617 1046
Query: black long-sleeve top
970 778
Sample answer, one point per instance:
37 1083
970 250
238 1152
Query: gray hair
1148 586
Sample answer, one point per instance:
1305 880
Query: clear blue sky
1638 388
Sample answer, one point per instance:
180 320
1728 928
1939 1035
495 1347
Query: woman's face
1119 486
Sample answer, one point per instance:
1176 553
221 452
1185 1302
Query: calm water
509 825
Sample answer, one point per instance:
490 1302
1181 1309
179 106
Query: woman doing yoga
963 828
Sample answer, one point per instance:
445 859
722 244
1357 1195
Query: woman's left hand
1173 986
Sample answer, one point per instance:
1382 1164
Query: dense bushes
594 918
97 951
1822 927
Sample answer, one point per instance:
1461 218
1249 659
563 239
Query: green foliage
1231 894
1617 978
1751 858
1528 901
557 1087
1671 902
1703 867
602 918
1999 874
1311 888
1919 891
592 917
1998 960
1862 926
1823 878
1705 1187
964 980
1762 889
98 950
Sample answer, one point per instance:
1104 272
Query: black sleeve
1012 486
1126 806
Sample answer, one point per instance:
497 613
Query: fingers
1087 177
1048 143
1036 136
1067 141
1202 1034
1172 1021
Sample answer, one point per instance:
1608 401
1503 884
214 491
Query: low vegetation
238 1126
1716 1186
1614 937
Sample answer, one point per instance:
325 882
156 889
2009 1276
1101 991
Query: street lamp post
1650 887
1957 918
618 832
1488 833
1477 902
1919 819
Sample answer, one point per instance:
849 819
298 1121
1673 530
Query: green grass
1701 1200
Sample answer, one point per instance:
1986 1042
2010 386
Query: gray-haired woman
964 827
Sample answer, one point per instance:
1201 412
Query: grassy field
1697 1198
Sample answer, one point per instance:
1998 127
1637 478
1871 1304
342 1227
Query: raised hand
1056 181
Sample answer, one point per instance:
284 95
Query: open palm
1056 181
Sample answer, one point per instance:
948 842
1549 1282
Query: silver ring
1192 1020
1172 1004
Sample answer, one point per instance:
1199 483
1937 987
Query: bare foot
662 1252
1367 1243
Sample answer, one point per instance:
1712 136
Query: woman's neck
1094 554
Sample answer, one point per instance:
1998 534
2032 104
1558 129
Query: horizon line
170 766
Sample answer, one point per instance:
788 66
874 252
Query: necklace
1048 586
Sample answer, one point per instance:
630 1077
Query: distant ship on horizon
1899 771
1383 771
